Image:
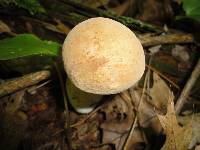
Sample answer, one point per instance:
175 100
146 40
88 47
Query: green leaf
27 45
192 9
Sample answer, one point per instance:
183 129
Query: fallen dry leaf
177 137
122 8
149 10
86 135
180 52
115 138
119 114
62 27
159 93
4 27
119 117
197 147
195 127
39 107
94 3
14 102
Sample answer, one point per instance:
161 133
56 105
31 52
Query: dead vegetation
160 112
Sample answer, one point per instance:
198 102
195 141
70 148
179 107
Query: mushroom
102 56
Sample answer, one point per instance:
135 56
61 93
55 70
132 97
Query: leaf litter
108 125
40 118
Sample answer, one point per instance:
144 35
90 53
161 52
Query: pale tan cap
102 56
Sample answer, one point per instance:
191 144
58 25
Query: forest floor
161 112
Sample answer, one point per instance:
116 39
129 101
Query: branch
166 39
19 83
186 90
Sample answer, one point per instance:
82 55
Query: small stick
67 115
166 39
128 140
163 76
186 90
19 83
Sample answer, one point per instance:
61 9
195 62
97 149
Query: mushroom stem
81 101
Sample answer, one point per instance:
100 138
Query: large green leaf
26 45
192 9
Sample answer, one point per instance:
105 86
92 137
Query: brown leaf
197 147
86 135
195 127
177 138
14 102
122 8
94 3
115 138
146 112
62 27
159 92
119 115
150 10
4 27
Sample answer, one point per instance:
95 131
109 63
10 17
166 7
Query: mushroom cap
102 56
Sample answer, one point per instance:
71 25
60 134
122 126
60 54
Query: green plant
33 6
26 45
192 9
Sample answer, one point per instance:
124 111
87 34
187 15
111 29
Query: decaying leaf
122 8
180 52
119 117
62 27
4 27
93 3
197 147
159 93
149 10
12 125
195 127
177 137
155 49
86 135
10 104
115 138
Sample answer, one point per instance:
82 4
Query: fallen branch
19 83
166 39
186 90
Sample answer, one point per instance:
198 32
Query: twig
163 76
166 39
67 123
136 118
186 90
19 83
88 117
34 88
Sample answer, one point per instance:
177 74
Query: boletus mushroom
102 56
